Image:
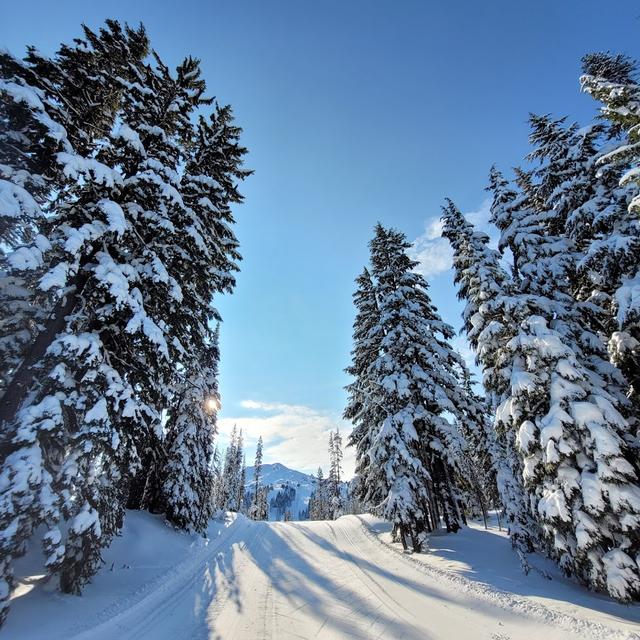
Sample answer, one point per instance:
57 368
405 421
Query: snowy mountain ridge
289 490
277 473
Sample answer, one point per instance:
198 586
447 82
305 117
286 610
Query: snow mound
141 571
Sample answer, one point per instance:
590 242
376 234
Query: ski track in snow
326 580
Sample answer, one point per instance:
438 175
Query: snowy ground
328 580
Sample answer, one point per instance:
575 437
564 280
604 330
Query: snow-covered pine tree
230 473
127 304
60 92
335 473
564 405
189 444
366 346
474 453
263 504
488 320
216 484
319 500
608 225
242 472
257 510
118 232
409 386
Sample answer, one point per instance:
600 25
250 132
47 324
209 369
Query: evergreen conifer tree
488 319
607 225
189 443
136 240
61 94
258 509
230 473
335 473
366 346
563 401
412 379
242 470
319 509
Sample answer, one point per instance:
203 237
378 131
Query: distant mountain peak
278 473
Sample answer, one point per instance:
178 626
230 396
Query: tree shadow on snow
324 597
485 557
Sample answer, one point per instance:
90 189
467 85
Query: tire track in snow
353 562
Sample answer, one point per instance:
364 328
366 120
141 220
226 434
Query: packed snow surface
341 579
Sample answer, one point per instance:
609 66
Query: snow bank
142 565
481 563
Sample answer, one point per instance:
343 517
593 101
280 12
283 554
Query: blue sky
353 111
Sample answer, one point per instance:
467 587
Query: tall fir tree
230 473
35 444
488 320
136 240
242 477
319 500
366 346
564 400
127 298
189 443
410 382
258 509
335 473
608 224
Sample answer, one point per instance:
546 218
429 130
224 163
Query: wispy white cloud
480 217
433 252
294 435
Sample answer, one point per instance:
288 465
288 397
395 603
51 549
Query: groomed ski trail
323 580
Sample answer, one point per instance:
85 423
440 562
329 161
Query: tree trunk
136 490
463 515
415 540
22 381
403 538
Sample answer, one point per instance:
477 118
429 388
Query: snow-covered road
328 580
